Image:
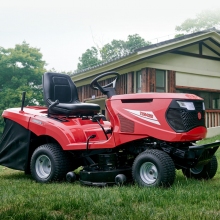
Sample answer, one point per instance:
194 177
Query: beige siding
199 81
186 64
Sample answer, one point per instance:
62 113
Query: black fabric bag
14 146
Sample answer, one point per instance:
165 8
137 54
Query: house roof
184 37
150 51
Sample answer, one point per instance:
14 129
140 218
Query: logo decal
36 121
145 115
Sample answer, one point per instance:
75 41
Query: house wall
198 81
187 64
190 71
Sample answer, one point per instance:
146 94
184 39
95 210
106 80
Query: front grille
182 120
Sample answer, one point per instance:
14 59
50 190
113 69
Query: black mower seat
60 87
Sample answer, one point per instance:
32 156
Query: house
188 64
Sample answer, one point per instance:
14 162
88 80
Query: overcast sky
64 29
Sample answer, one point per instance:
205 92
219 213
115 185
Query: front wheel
207 171
153 168
49 163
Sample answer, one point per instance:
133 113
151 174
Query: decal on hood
145 115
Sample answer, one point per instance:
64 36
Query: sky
65 29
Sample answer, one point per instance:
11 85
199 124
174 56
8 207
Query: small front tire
153 168
206 171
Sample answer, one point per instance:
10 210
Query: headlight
187 105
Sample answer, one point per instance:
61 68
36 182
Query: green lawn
22 198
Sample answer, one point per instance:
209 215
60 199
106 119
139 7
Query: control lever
22 101
52 105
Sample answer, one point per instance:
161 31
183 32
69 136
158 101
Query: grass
22 198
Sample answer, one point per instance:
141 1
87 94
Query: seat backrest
57 86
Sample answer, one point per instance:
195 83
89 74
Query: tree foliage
88 59
21 69
113 50
204 20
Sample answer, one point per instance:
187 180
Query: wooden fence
212 118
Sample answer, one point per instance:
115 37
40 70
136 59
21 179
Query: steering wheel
95 85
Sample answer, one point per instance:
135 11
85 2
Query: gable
205 49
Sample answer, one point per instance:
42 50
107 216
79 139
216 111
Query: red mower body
132 117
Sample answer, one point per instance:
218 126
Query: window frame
164 87
138 81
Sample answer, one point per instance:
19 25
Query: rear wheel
207 171
49 163
153 168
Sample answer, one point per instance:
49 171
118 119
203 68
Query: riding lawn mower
144 138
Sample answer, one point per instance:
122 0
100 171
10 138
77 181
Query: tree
88 59
204 20
21 69
113 50
135 41
120 48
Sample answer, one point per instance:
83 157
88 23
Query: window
138 81
156 81
160 81
211 99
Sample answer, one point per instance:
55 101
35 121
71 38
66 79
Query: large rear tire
153 168
49 163
207 171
